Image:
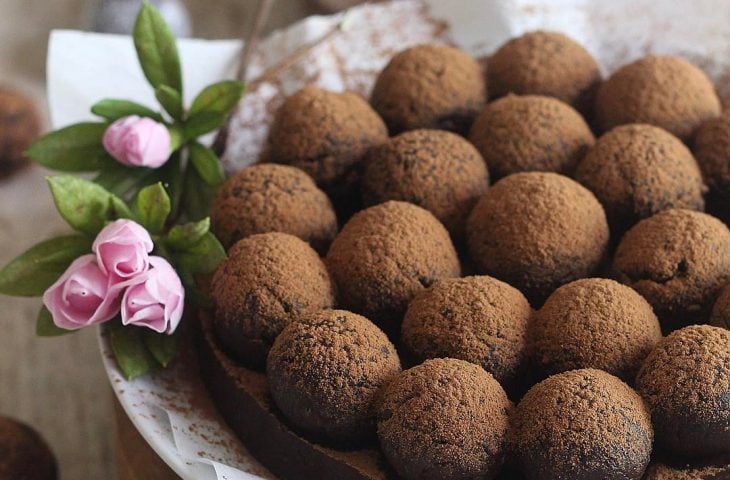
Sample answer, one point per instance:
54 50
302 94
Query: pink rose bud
154 299
83 296
122 249
138 142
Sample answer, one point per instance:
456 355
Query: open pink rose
138 142
82 296
154 299
122 249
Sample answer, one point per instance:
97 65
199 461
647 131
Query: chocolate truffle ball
324 372
385 255
478 319
593 323
434 169
581 425
20 125
429 86
545 63
326 134
537 231
712 471
664 91
273 198
638 170
685 381
712 150
268 281
23 453
678 260
521 134
445 419
720 314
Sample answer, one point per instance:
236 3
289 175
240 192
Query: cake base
242 397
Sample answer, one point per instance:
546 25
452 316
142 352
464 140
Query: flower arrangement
142 231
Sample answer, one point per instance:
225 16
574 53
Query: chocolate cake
20 125
272 198
429 86
712 150
434 169
24 454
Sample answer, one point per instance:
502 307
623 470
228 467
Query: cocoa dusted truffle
678 260
714 470
273 198
23 453
664 91
582 425
685 381
430 86
326 134
545 63
385 255
478 319
537 231
720 314
712 150
638 170
526 133
434 169
445 419
268 281
324 372
20 124
593 323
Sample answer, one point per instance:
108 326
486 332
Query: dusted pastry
712 150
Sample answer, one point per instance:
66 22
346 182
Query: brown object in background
332 6
712 151
720 315
20 125
24 455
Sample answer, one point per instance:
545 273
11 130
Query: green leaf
207 163
152 207
120 180
221 97
31 273
113 109
198 196
45 327
183 237
121 209
203 257
193 294
76 148
202 123
130 351
170 100
163 347
85 205
156 49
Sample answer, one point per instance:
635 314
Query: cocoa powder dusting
23 453
720 314
582 425
324 372
268 281
434 169
712 150
272 198
715 470
638 170
528 133
444 419
686 383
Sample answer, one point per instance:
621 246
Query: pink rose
138 142
154 299
82 296
122 248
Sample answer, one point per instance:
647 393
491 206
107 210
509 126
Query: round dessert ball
429 86
685 381
582 425
434 169
638 170
545 63
272 198
385 255
324 372
445 419
664 91
678 260
713 471
24 455
537 231
720 314
268 281
20 125
712 150
593 323
526 133
478 319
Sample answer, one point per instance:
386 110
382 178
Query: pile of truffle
587 250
